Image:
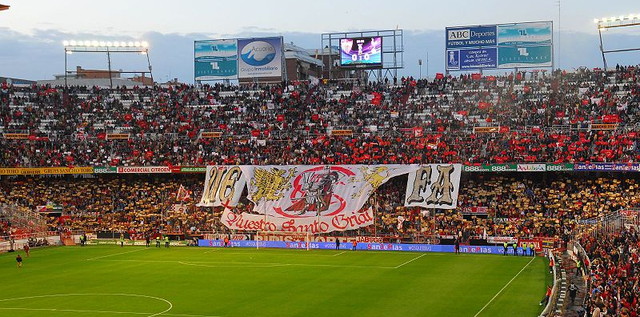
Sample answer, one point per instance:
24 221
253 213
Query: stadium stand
584 116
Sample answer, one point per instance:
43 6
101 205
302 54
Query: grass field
195 282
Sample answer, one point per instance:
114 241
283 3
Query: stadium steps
574 309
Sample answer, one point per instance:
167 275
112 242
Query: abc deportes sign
471 36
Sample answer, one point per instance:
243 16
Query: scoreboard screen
361 52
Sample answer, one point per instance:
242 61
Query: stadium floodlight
108 47
620 21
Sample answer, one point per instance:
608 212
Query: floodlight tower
108 47
615 22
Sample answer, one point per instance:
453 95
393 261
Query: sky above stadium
172 26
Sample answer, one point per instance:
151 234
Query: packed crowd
614 278
519 205
523 117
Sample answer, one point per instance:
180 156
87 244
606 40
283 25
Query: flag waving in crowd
183 194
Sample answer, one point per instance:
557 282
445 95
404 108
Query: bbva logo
258 53
463 34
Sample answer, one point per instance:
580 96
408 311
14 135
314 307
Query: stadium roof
16 81
297 52
90 82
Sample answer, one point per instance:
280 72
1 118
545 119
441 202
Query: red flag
183 194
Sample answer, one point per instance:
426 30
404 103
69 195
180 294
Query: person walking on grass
547 295
19 261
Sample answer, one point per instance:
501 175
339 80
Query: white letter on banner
222 187
434 186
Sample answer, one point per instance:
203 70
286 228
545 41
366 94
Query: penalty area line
407 262
108 255
503 288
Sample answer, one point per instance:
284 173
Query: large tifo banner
528 44
321 198
260 57
215 59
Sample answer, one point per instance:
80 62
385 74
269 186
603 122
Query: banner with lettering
223 186
320 198
313 225
300 191
434 186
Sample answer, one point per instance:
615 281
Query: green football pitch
197 282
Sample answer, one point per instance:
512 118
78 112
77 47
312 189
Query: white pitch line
339 253
502 289
106 256
253 264
212 250
96 294
405 263
76 310
96 311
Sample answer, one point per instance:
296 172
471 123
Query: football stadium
282 180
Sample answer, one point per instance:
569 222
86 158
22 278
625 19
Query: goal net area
283 239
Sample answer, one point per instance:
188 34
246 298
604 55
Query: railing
554 291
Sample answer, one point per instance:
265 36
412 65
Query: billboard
466 59
528 44
529 33
260 57
215 59
473 36
361 52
